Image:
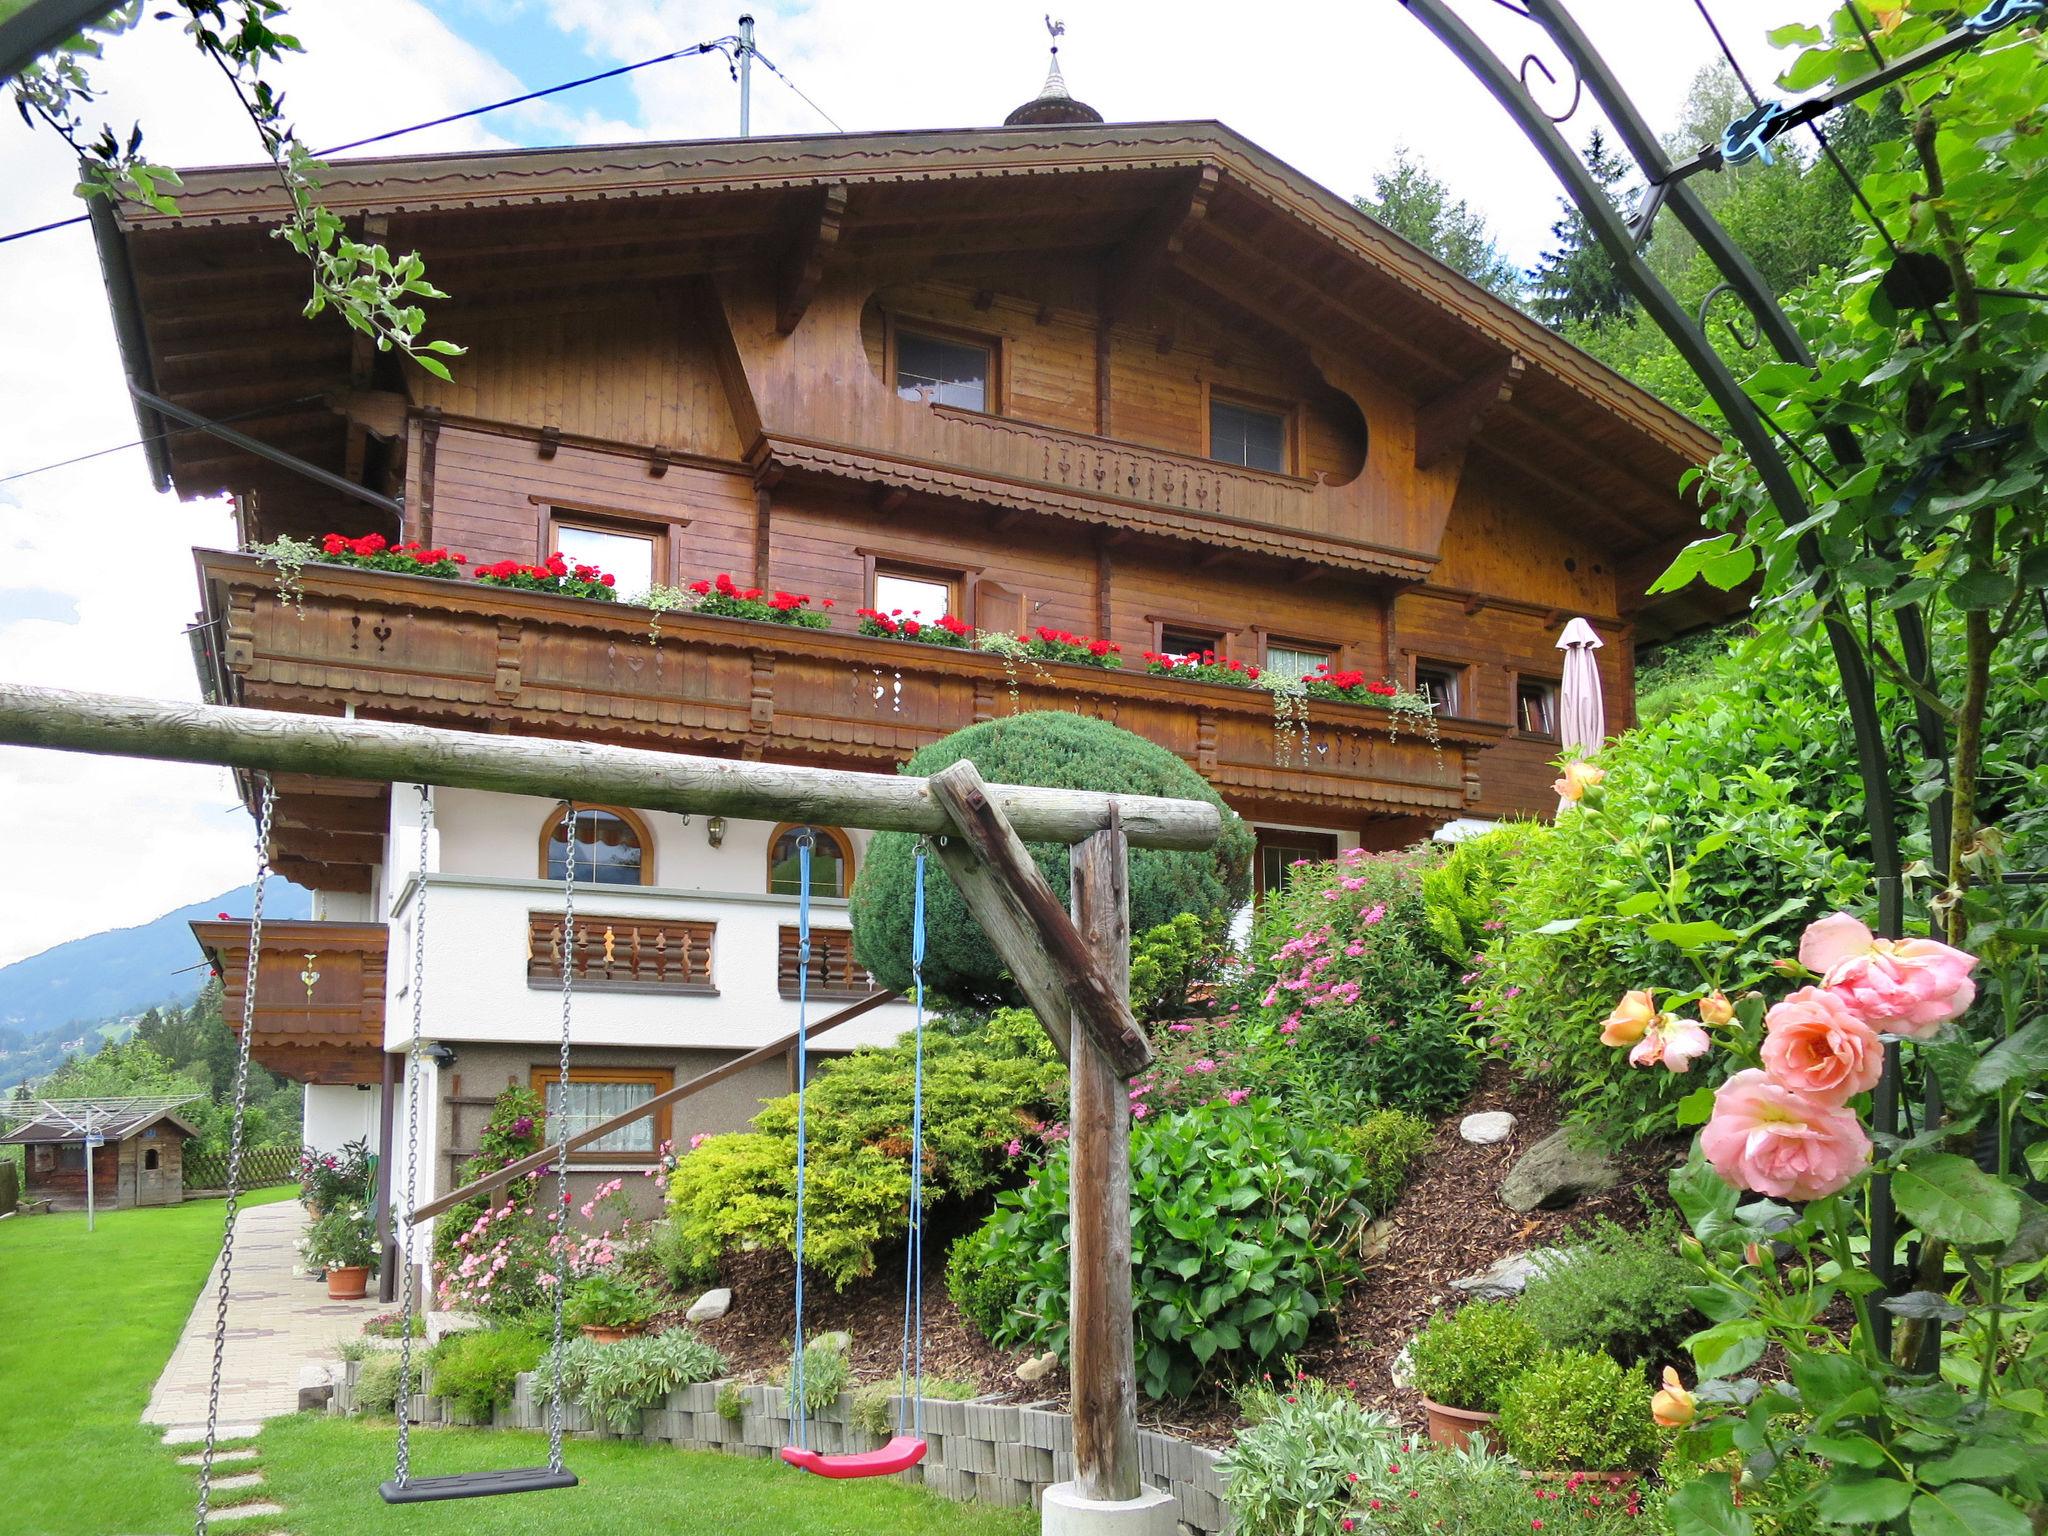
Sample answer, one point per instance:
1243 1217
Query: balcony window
1247 435
611 847
913 594
1178 640
1286 659
1536 706
943 371
1442 684
596 1094
633 559
831 861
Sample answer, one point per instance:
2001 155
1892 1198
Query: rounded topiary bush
1578 1411
1051 751
1467 1358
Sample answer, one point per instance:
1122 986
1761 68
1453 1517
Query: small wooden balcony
319 996
621 954
456 654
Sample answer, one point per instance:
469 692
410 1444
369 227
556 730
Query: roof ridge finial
1054 102
1055 86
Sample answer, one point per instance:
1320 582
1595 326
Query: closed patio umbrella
1581 711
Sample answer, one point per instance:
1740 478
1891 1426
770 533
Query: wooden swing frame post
1073 967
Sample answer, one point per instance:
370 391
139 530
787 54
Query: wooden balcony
454 653
319 996
834 971
621 954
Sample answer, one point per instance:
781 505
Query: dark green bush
1619 1293
477 1366
1054 751
1385 1148
377 1382
982 1090
1575 1411
1465 896
1243 1227
616 1381
1466 1359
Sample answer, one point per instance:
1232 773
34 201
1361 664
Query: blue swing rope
910 1404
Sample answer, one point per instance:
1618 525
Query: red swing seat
899 1455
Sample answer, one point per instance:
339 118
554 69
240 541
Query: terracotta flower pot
612 1335
348 1282
1452 1427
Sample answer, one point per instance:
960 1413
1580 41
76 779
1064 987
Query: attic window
942 371
1245 434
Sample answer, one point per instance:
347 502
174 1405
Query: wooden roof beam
1158 240
808 254
1445 424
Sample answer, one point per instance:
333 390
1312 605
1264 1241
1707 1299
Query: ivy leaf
1981 589
2022 1054
1706 1507
1950 1197
1967 1510
1852 1450
2031 1241
1693 935
1924 1304
1973 1463
1697 1107
1866 1501
1560 925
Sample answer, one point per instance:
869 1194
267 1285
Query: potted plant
344 1243
1574 1414
609 1308
1464 1362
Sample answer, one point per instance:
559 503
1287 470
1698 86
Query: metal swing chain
562 1141
798 1390
414 1078
234 1199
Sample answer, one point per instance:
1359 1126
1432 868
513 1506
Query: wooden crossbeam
1128 273
1445 424
1016 907
534 1162
281 742
804 263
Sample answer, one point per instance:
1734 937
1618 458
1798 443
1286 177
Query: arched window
611 847
831 860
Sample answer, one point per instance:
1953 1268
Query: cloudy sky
96 582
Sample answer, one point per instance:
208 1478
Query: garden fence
261 1168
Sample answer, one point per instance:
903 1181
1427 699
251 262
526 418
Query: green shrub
477 1366
1347 1005
732 1402
1465 896
1385 1147
980 1280
515 1129
1308 1461
876 1403
981 1091
606 1300
827 1373
1475 1493
1763 764
1780 1502
1171 962
1243 1227
343 1236
616 1381
1056 751
1576 1411
1618 1293
1466 1359
377 1382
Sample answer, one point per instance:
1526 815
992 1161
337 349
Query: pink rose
1768 1138
1671 1041
1631 1016
1815 1044
1907 986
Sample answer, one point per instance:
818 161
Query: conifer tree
1575 281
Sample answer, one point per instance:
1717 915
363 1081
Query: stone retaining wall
992 1453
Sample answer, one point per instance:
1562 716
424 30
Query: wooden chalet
1140 381
135 1161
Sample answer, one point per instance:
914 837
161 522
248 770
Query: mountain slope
122 971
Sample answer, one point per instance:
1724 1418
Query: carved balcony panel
319 995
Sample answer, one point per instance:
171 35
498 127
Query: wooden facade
137 1164
329 1029
700 343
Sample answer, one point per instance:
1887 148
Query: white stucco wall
339 1113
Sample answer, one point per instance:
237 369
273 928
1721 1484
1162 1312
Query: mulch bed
1449 1223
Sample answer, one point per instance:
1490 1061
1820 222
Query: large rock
1506 1277
1038 1367
1554 1173
710 1307
1486 1128
316 1385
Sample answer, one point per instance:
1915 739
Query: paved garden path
278 1323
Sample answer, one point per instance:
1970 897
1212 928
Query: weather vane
1056 29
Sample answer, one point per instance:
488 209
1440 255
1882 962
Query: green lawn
89 1322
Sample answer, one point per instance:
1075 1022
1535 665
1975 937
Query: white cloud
1331 87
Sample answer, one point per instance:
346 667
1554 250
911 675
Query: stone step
239 1480
243 1512
195 1434
198 1459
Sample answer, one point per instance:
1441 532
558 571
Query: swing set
1073 968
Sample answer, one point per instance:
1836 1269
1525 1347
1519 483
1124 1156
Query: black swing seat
475 1485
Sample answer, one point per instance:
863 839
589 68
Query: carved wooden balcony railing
834 971
621 954
319 995
450 652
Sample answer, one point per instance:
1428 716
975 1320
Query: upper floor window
916 594
1286 658
1247 435
1536 706
610 846
831 861
943 370
634 559
1442 684
1188 640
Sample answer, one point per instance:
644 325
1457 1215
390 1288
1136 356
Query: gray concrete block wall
1003 1454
